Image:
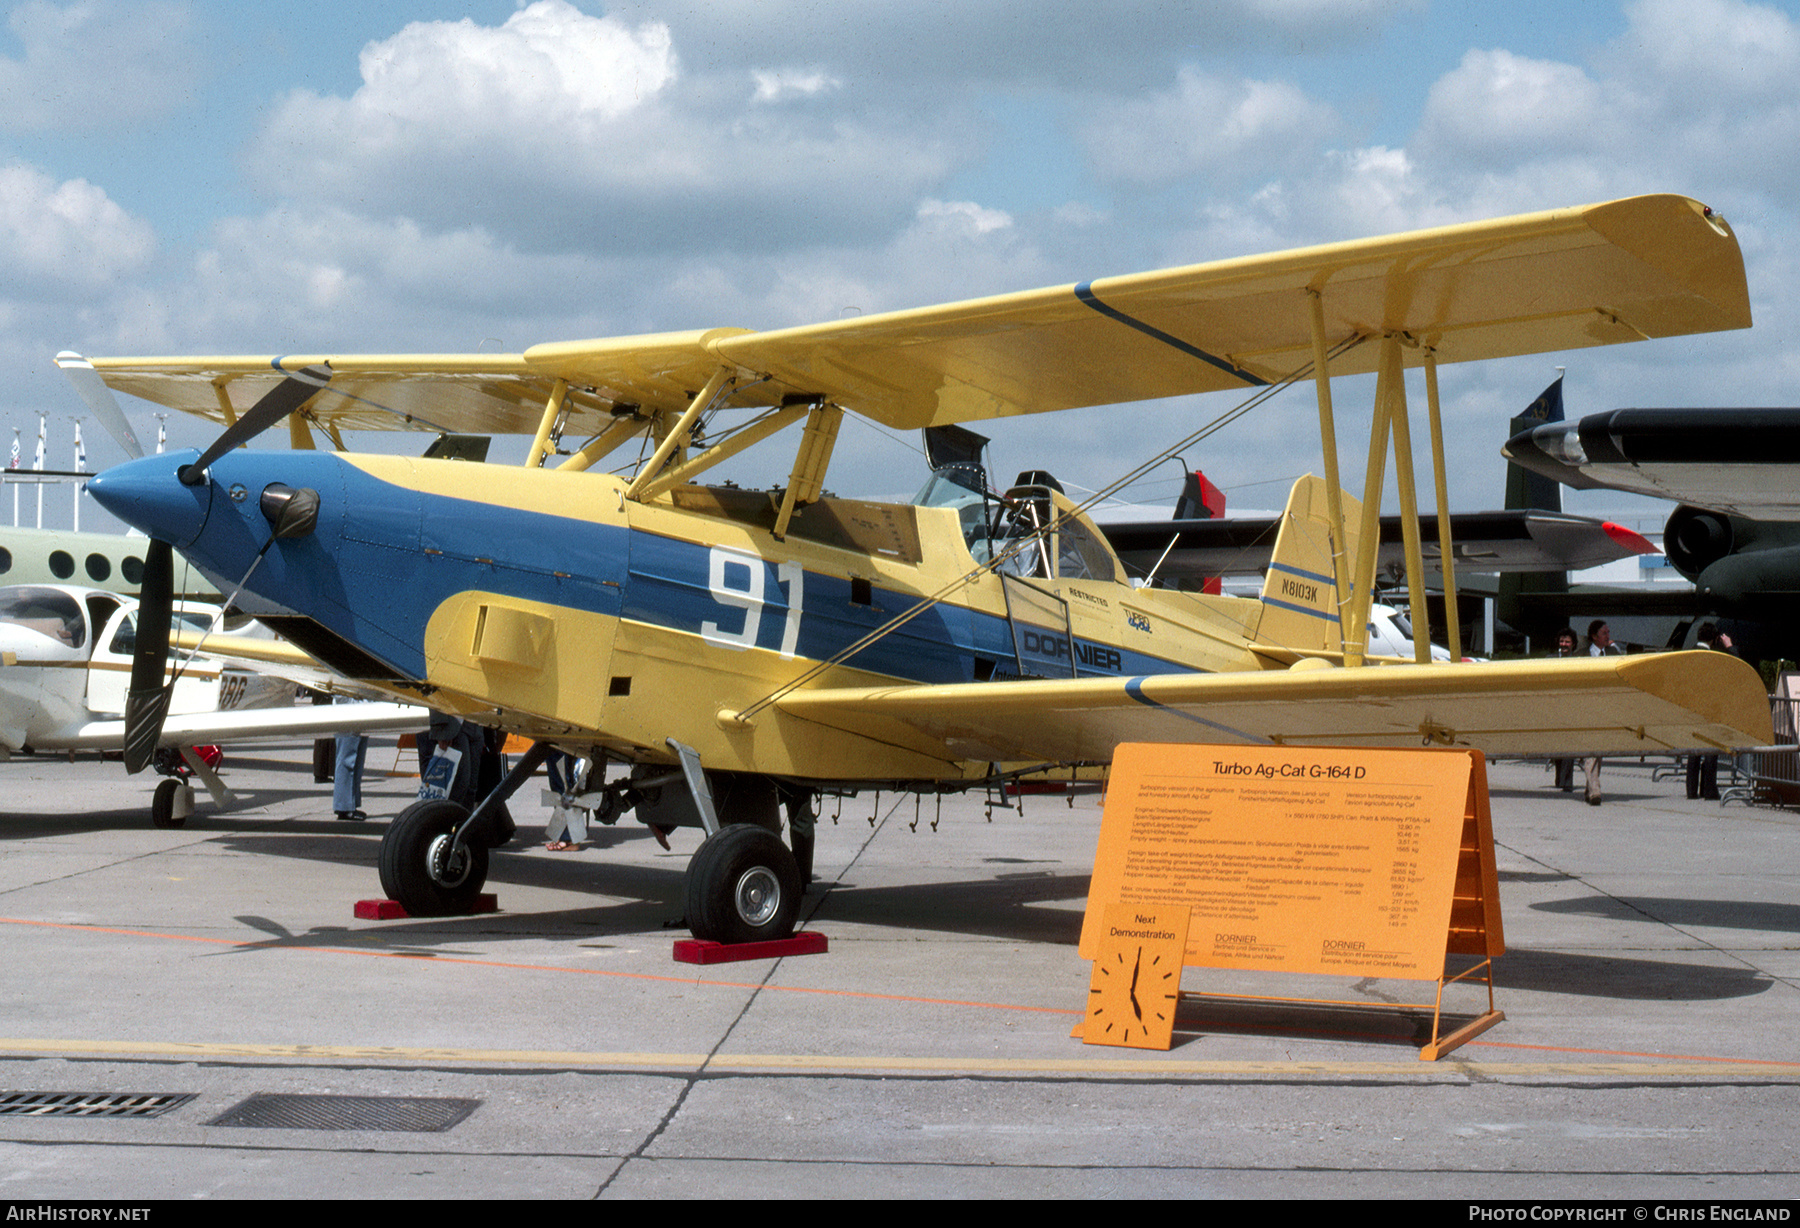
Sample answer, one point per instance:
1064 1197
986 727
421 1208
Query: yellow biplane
746 650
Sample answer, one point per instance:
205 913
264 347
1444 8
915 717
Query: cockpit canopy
1034 530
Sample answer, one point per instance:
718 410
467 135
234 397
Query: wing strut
721 382
1446 552
553 409
1334 487
1394 370
808 476
1390 415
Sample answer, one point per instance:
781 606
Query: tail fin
1201 500
1300 597
1525 489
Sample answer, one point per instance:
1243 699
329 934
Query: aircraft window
1079 556
99 567
1026 562
45 611
62 564
948 488
1024 517
132 569
124 640
5 560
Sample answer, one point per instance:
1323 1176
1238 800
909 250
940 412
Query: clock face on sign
1137 980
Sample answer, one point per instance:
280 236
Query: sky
199 177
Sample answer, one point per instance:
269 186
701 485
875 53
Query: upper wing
1649 266
1487 542
1613 705
260 724
1738 461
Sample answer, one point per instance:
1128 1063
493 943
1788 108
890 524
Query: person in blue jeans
346 780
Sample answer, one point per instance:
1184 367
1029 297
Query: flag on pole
42 427
80 451
162 433
15 451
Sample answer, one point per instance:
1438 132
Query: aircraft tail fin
1526 490
1300 596
1201 500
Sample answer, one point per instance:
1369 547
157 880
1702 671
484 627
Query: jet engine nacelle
1695 538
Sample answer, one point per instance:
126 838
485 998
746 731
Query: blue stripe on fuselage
385 557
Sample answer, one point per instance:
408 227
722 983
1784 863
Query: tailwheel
743 886
421 870
162 804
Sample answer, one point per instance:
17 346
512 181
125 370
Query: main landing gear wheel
162 803
743 886
418 867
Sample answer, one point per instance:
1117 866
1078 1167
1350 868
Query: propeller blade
280 401
147 701
99 398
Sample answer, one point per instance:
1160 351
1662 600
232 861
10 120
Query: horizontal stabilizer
1487 542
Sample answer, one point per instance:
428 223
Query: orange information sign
1307 860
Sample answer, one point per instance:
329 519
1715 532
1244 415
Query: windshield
47 611
949 487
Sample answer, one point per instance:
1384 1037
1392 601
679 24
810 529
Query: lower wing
1601 705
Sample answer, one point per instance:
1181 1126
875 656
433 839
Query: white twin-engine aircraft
66 654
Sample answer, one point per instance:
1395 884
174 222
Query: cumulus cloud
67 238
96 64
963 215
558 130
776 85
1205 123
548 64
1496 106
1727 48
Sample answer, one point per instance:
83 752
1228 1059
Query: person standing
1567 642
1600 644
346 777
1703 770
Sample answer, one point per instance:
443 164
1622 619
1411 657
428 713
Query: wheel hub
758 895
447 864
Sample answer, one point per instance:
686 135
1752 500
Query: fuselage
548 603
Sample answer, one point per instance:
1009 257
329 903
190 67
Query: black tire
408 850
743 886
162 804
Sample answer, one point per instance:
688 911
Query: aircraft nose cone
147 495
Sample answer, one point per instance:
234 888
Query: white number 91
724 565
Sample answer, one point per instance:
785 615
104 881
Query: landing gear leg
742 883
802 822
434 857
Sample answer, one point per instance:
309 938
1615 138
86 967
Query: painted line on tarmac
421 957
1680 1065
777 1063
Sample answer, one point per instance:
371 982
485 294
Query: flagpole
80 467
38 464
